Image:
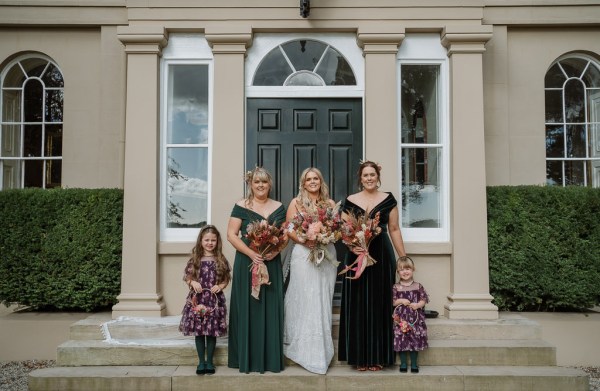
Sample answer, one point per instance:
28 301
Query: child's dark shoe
414 369
403 369
200 370
210 369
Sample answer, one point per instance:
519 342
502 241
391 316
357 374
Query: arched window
572 87
304 62
31 125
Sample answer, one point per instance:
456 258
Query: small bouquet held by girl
357 233
264 239
320 224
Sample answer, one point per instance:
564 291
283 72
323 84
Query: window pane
594 137
34 66
54 105
52 77
555 78
555 141
32 141
11 174
187 190
573 66
187 104
419 98
421 188
335 70
11 140
11 105
554 106
14 77
33 107
554 172
574 173
53 172
593 106
574 98
53 141
34 173
304 78
273 70
576 142
304 54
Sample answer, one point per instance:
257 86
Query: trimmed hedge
544 247
60 249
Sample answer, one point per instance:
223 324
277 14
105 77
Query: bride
307 326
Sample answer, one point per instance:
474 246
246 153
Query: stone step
101 326
183 352
183 378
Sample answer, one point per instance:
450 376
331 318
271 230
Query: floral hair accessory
361 162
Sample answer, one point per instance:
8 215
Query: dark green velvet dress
366 326
256 326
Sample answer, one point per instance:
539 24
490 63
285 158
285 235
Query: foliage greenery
60 249
544 247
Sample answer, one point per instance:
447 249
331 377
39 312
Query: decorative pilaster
380 50
469 275
229 51
140 294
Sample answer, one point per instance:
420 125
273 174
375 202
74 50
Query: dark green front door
286 136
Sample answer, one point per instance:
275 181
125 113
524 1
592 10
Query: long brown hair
223 270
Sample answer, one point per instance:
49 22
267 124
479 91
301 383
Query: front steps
150 354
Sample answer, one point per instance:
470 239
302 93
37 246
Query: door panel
288 135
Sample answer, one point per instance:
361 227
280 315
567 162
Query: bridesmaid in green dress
255 326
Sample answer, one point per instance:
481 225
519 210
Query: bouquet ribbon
361 262
260 276
319 253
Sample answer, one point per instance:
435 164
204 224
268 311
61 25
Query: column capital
228 41
380 42
466 39
143 39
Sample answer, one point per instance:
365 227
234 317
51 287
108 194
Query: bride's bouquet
320 224
357 233
264 238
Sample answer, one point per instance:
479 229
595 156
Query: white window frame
183 49
426 49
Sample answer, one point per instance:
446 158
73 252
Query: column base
470 306
139 305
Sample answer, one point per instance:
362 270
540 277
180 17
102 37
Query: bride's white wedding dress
307 327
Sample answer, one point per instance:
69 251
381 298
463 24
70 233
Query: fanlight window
304 63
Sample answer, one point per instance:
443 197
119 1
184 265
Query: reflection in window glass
421 149
421 197
31 131
187 104
572 120
187 187
327 66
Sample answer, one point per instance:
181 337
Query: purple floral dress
415 337
215 323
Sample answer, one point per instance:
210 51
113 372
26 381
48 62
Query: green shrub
61 248
544 247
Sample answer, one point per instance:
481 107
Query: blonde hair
303 198
257 173
404 262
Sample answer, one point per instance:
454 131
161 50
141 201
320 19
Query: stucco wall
92 63
515 64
